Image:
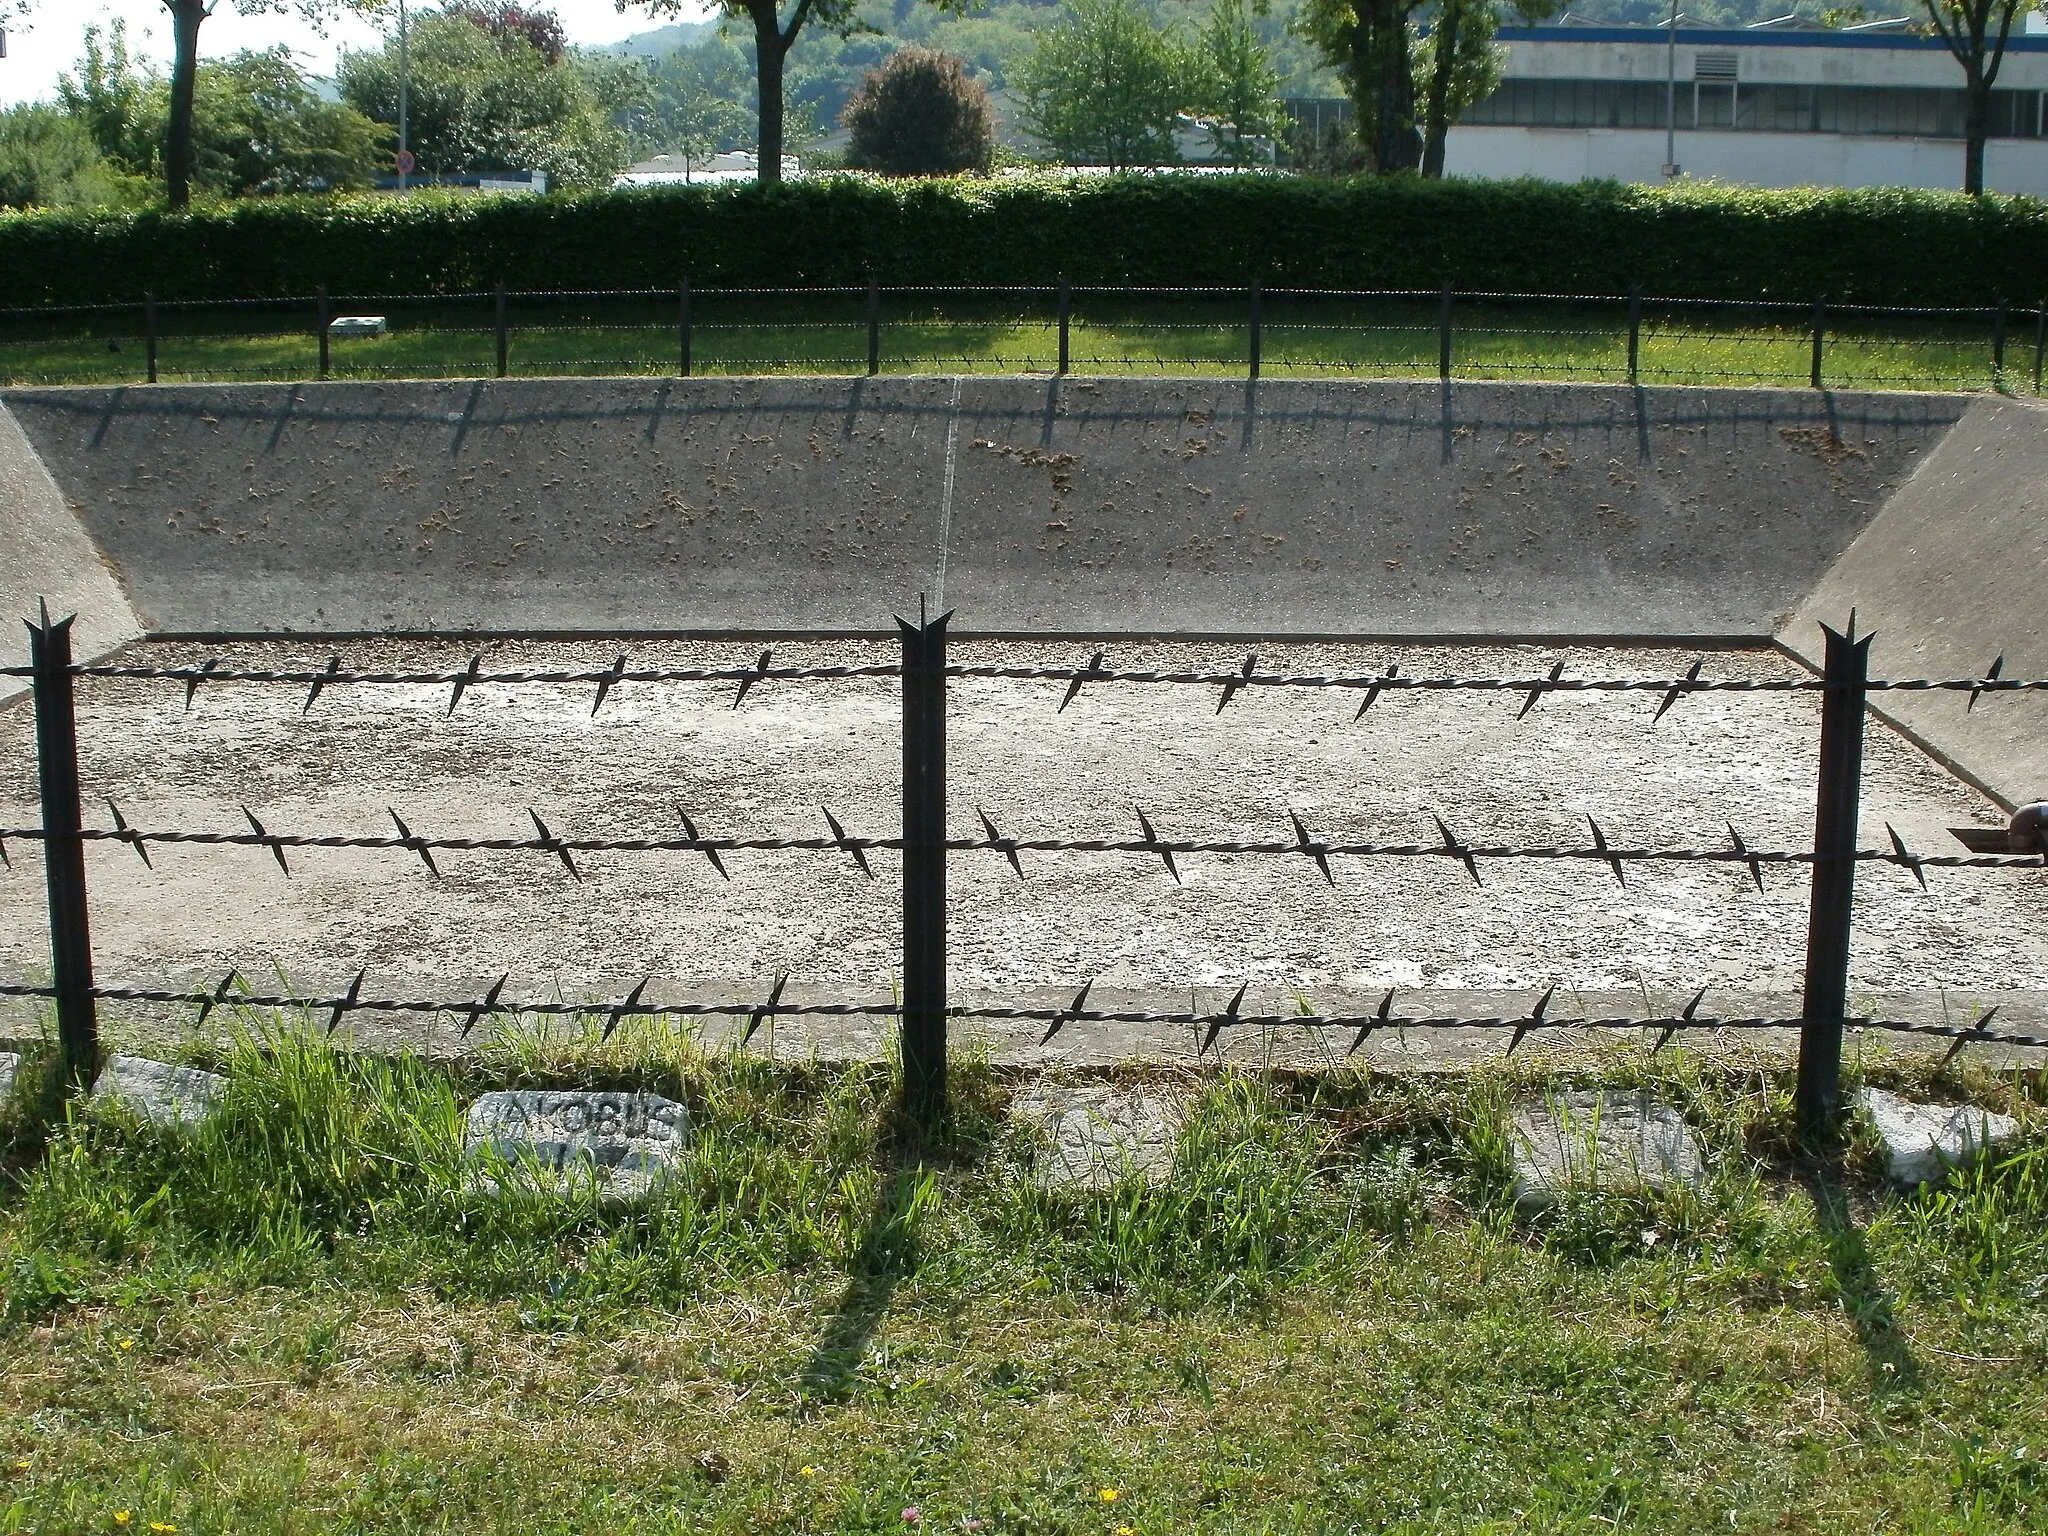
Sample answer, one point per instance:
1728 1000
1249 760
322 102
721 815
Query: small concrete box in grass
357 325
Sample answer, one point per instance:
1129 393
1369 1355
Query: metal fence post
1820 326
2040 338
683 328
1443 337
924 869
1065 316
874 329
1635 329
326 319
1258 336
498 318
78 1034
1845 670
149 333
1998 327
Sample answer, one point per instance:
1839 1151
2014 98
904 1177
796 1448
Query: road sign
406 162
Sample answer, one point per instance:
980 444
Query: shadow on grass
1865 1301
887 1253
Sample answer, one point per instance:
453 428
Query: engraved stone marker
159 1092
628 1143
1611 1141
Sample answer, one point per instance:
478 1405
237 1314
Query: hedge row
1879 246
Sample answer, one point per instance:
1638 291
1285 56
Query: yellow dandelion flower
21 1466
162 1527
123 1516
1109 1495
807 1471
1125 1530
127 1344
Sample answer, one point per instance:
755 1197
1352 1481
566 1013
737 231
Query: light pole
405 93
1671 96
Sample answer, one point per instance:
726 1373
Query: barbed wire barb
1975 1031
320 682
347 1002
462 682
1535 1019
1217 1026
840 838
767 1009
417 844
1756 867
206 669
1059 1019
605 683
690 831
1153 844
1692 675
1003 845
1684 1017
1991 676
488 1003
1600 843
630 1004
1372 693
1093 670
1906 857
127 834
276 847
1251 665
746 682
552 844
1320 852
1536 693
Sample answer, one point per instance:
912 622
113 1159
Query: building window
1881 111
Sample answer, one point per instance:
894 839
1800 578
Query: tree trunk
186 15
1396 146
1976 122
769 53
1436 119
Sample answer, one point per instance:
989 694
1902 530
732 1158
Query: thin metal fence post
1443 337
2040 338
149 332
1065 318
1845 670
1635 329
78 1034
326 319
498 318
1998 327
924 869
1258 331
1820 330
683 328
874 329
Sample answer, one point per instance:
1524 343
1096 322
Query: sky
47 45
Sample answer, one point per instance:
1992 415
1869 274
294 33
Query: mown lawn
302 1318
1197 334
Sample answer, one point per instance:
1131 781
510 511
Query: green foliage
49 160
1103 83
109 98
485 99
1239 83
920 114
697 101
258 127
1875 246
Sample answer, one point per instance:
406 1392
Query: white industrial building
1780 104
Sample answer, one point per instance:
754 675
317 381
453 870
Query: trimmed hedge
1876 246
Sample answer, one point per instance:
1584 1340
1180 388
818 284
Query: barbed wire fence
924 1009
1057 328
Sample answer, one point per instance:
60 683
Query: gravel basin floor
1972 939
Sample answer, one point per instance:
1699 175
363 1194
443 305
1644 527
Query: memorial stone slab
159 1092
1924 1142
10 1067
627 1143
1613 1141
1097 1135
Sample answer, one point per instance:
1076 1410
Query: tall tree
187 16
1458 64
1102 84
1976 31
1240 85
773 38
1367 43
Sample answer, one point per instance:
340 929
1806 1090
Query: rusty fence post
1443 337
924 869
149 333
1635 331
1820 331
1845 670
498 325
1065 318
78 1035
325 318
683 329
874 328
1258 331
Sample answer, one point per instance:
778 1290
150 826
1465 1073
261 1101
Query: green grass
303 1318
1110 335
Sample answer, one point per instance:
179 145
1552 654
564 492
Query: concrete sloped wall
1071 506
46 555
1953 573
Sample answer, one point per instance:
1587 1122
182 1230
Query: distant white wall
1754 159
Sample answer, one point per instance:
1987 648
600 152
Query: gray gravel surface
766 769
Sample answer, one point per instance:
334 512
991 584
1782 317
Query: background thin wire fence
1301 333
